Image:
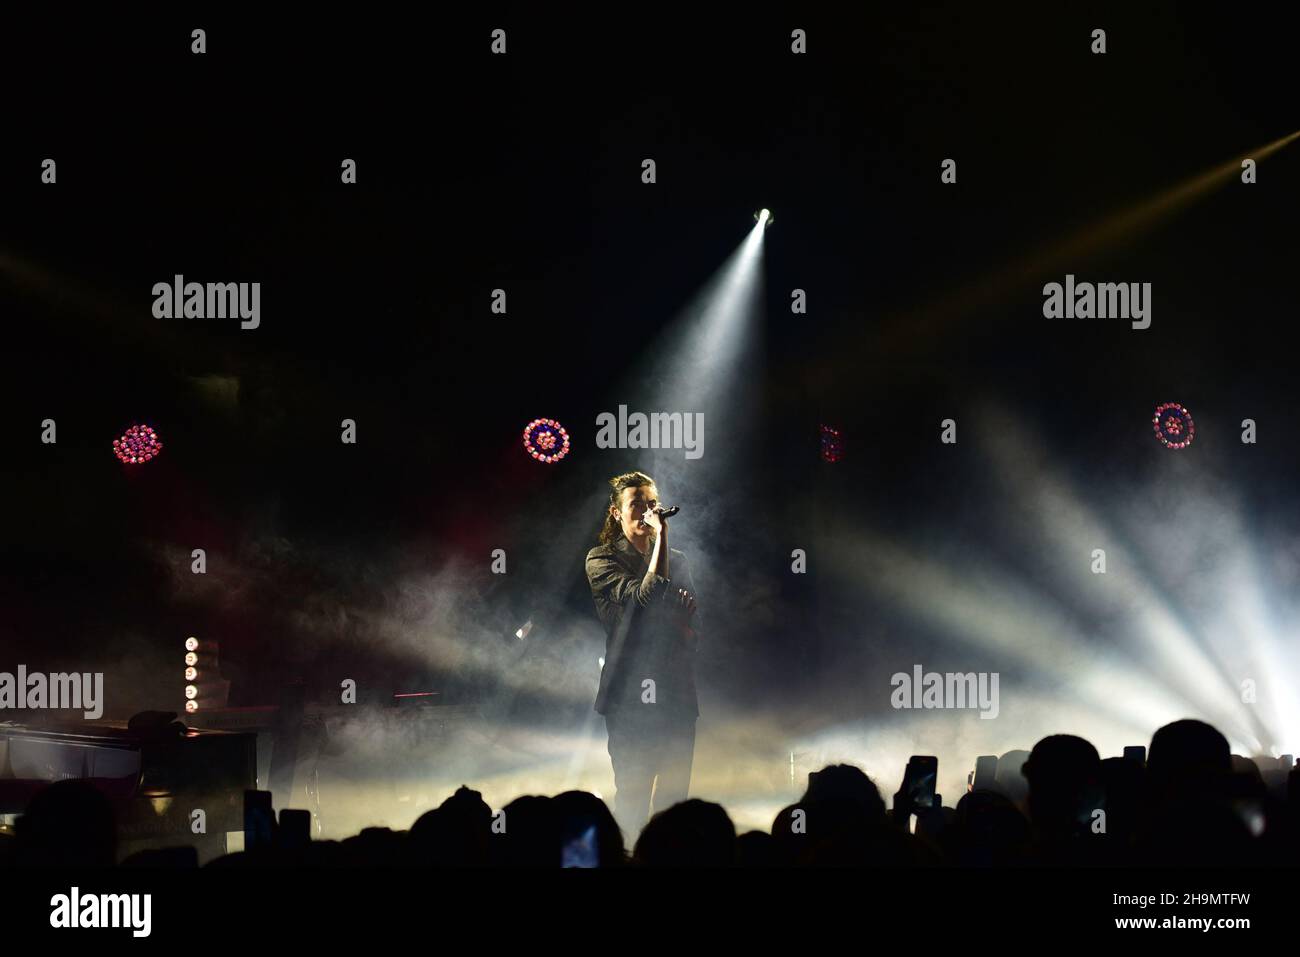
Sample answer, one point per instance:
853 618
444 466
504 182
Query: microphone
665 512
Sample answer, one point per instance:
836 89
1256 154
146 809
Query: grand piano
155 771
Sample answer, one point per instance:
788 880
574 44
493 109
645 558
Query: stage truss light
765 217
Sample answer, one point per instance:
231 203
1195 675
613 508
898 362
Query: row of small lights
191 674
547 441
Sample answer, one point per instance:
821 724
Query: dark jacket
644 636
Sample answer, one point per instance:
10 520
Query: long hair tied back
612 529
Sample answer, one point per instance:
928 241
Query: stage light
137 445
191 658
832 444
546 440
926 321
191 692
191 674
191 644
191 706
765 217
1173 426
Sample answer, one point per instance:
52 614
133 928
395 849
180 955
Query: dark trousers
648 741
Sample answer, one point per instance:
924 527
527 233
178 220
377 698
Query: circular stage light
191 658
546 440
832 444
191 706
191 692
191 644
191 674
765 217
137 444
1173 426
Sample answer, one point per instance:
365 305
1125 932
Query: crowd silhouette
1191 803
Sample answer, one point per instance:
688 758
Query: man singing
645 599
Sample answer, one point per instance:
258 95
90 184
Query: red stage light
137 444
1173 425
832 444
546 440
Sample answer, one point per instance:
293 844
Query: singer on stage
646 600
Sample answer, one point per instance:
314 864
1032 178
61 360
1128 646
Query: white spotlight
764 216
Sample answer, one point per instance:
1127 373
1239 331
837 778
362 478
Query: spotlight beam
917 326
1188 658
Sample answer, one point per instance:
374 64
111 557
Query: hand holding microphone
654 517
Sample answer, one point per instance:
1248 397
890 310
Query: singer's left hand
686 601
